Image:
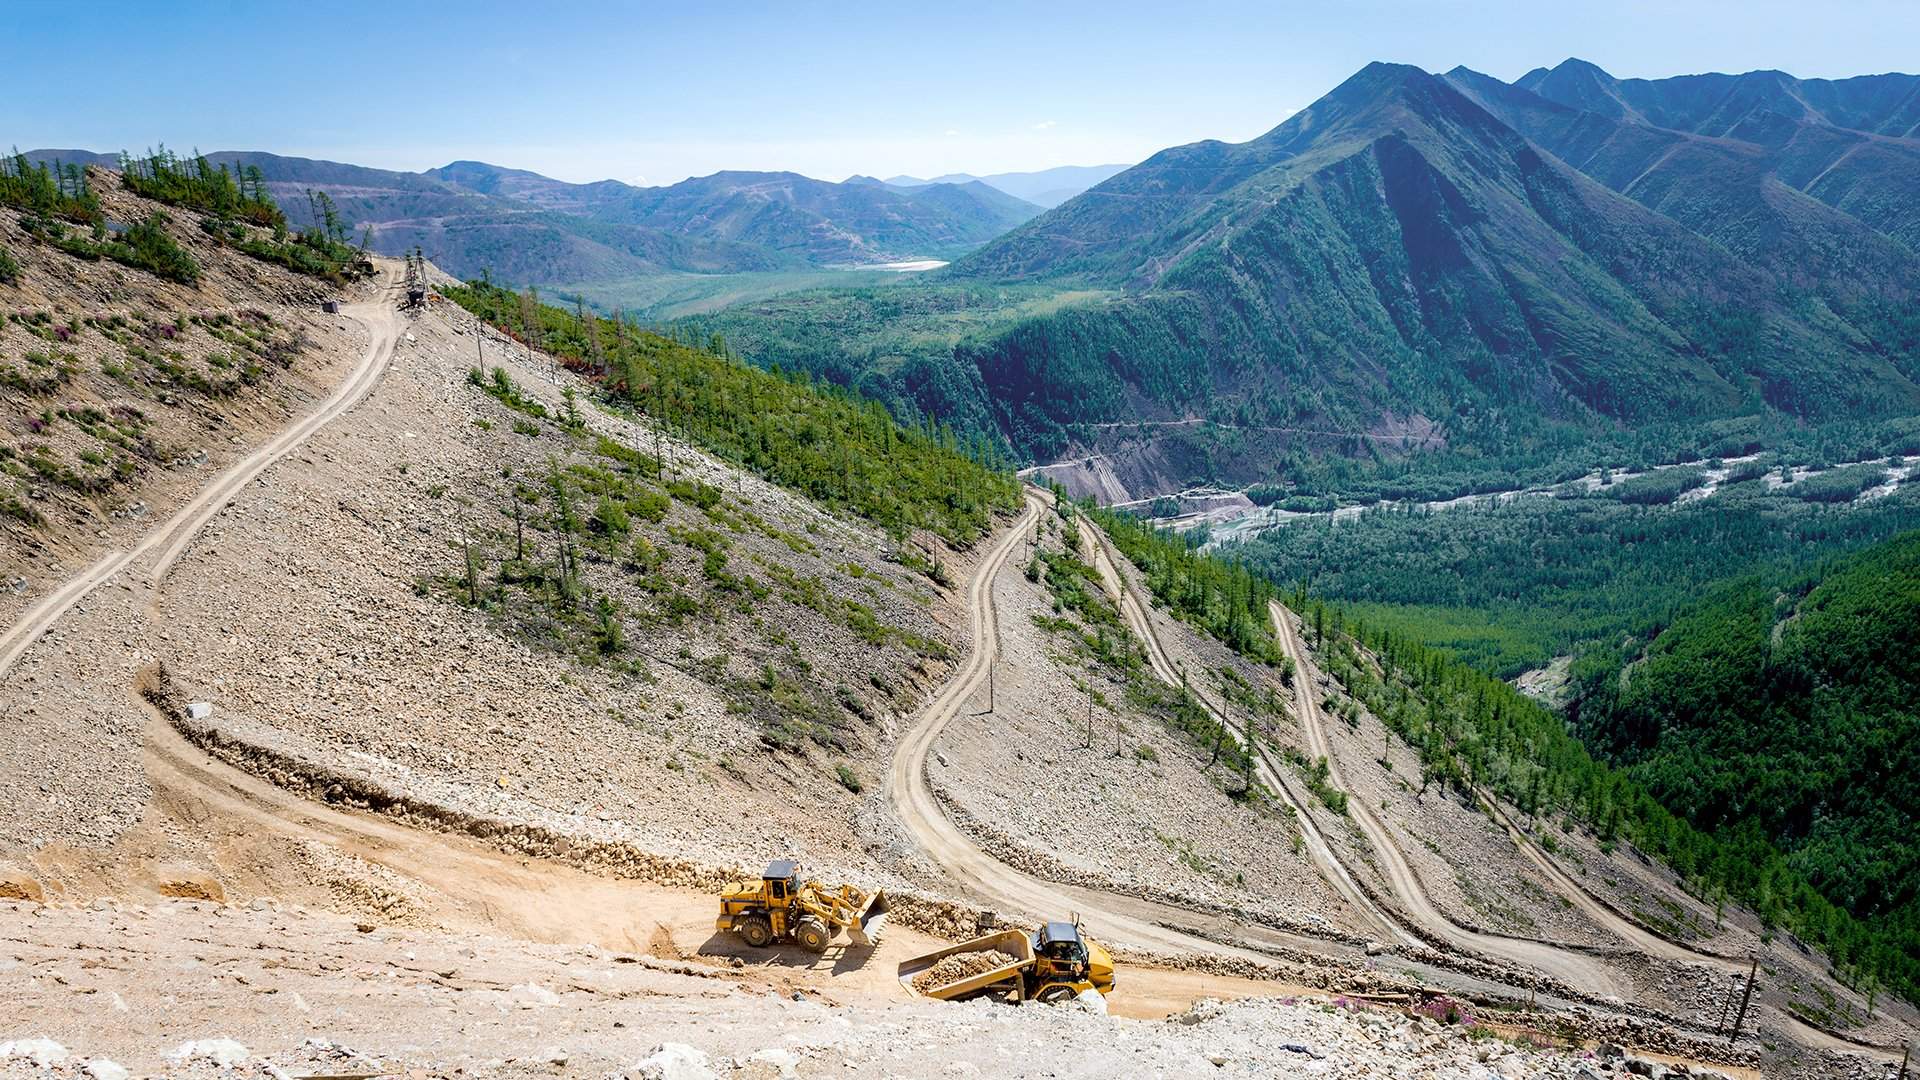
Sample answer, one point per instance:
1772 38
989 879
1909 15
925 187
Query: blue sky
655 93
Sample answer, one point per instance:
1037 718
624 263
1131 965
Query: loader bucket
870 920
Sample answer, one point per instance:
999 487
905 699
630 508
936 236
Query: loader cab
782 881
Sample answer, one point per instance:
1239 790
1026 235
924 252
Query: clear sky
653 93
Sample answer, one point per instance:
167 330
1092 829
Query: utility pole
1905 1056
1745 996
991 664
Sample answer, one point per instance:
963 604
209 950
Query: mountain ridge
1046 188
1398 248
528 228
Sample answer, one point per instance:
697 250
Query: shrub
1659 487
847 778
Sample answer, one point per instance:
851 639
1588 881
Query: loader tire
1056 993
812 935
755 930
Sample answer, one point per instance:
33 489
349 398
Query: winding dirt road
1331 869
382 321
927 823
1572 967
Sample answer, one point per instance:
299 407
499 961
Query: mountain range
1493 259
525 228
1047 187
1413 261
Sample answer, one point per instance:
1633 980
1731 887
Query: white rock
225 1053
531 994
199 710
42 1052
783 1060
673 1061
102 1069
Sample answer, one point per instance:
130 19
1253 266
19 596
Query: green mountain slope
1397 250
1853 144
1734 193
815 221
1792 706
1718 104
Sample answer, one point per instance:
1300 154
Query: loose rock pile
952 969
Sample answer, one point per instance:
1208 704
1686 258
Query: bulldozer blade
868 933
871 920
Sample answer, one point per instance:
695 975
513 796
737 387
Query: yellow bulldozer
783 907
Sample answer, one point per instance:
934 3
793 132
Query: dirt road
1573 968
171 539
1134 612
1119 918
973 868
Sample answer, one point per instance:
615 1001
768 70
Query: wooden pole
990 666
1905 1056
1720 1025
1745 996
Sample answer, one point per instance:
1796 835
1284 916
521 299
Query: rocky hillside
122 388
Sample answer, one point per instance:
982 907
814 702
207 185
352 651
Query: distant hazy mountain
527 228
813 221
1046 188
1417 246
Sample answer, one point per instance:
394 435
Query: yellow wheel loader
1056 962
782 907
